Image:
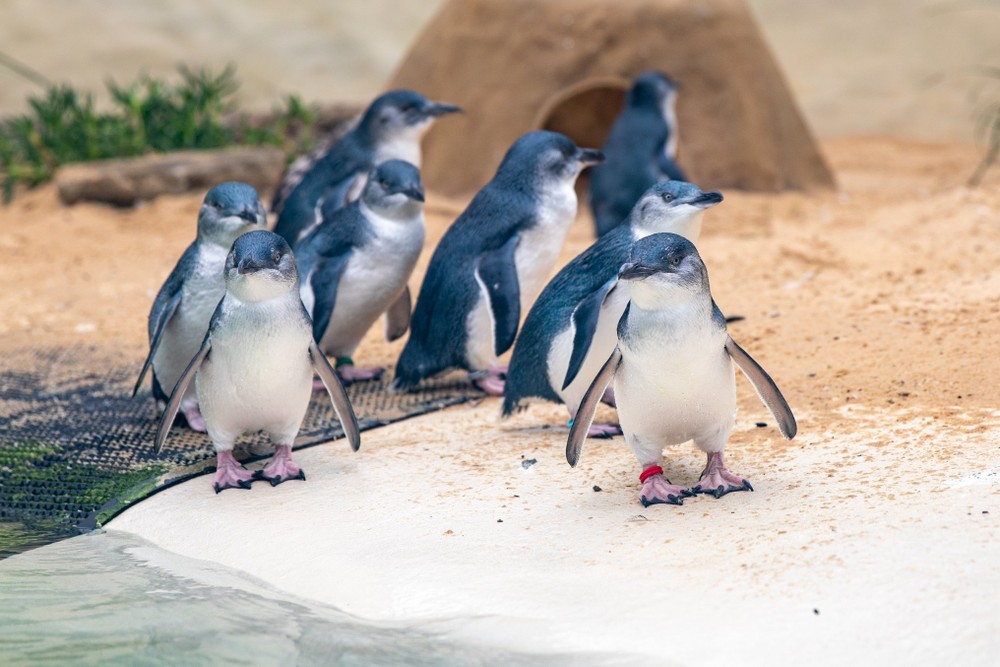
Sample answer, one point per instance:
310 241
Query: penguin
543 354
390 128
356 263
673 372
494 258
641 149
184 305
254 369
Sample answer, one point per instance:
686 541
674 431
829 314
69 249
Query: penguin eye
667 197
276 255
675 260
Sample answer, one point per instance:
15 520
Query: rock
126 181
521 65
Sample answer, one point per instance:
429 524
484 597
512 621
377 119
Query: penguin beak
437 109
249 215
414 192
589 156
706 199
636 271
248 265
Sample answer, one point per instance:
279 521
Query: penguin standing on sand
641 149
582 303
184 305
390 129
255 365
673 372
355 264
493 261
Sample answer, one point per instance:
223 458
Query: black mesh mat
76 449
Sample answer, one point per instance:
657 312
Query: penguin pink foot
280 468
349 373
657 489
493 381
717 481
194 419
230 473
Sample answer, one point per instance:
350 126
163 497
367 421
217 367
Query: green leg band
344 361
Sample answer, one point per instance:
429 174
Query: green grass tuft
148 115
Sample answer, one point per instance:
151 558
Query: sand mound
517 65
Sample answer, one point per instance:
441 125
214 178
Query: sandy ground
871 537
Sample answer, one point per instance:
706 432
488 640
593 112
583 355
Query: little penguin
493 261
673 372
184 305
356 263
579 309
641 149
390 128
254 369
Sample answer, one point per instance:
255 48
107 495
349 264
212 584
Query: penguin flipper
341 403
585 317
324 282
161 324
170 412
588 406
765 387
497 273
397 318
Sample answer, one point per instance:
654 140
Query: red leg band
649 472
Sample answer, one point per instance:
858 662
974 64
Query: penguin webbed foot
717 481
230 473
657 490
605 431
193 419
492 381
280 468
349 373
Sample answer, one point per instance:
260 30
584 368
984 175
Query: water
114 599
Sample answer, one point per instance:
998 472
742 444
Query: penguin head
260 266
229 210
663 268
394 190
652 90
540 158
672 206
402 114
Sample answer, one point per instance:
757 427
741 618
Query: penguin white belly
684 390
480 344
539 246
260 379
373 279
601 346
183 336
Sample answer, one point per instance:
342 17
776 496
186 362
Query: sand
871 537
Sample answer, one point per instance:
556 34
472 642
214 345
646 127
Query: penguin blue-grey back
578 311
493 261
641 149
254 368
356 263
183 307
673 372
390 128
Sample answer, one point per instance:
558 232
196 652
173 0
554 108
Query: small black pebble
986 512
597 488
816 611
499 520
527 463
761 424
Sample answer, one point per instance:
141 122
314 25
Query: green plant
988 127
148 115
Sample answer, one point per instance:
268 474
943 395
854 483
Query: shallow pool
114 599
